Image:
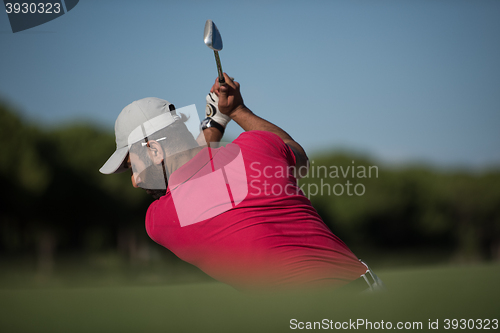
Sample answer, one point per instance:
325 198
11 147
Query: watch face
209 122
205 123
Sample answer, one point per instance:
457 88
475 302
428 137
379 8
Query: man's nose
135 180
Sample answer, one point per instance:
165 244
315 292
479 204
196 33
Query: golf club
213 40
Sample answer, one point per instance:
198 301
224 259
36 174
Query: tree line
55 201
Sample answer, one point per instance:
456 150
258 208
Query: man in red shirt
236 212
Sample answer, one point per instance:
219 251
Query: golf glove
212 110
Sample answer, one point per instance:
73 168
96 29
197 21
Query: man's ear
155 152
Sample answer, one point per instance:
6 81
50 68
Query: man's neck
181 158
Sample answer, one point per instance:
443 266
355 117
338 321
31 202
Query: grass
415 295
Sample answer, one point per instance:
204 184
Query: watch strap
209 122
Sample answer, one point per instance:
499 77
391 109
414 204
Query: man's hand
231 104
229 95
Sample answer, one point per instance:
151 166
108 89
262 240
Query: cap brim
115 163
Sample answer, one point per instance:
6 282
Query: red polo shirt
237 213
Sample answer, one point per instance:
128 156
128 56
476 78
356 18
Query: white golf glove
212 110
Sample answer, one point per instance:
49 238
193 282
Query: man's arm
215 122
208 135
231 104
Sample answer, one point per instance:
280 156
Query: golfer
236 212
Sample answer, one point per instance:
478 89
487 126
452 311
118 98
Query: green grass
415 295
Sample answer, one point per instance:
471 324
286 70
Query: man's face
136 166
151 178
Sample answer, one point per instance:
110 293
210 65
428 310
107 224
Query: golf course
416 297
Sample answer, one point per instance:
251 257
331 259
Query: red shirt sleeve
267 143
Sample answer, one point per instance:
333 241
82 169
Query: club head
212 37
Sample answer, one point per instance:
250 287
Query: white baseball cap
137 121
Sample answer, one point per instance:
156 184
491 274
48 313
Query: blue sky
401 81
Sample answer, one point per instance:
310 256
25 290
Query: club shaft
219 67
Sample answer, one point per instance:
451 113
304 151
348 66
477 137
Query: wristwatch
209 122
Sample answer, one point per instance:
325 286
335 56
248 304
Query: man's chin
156 194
